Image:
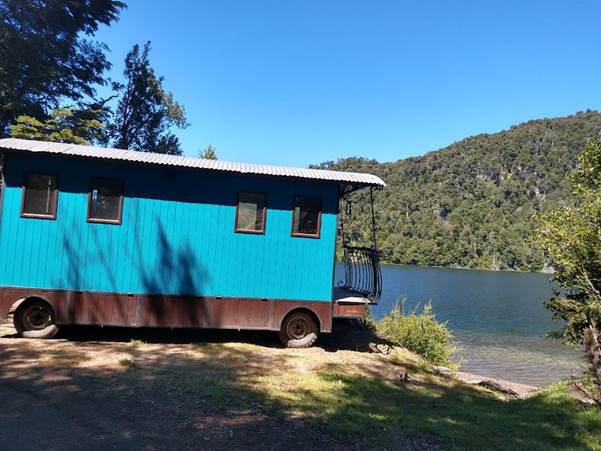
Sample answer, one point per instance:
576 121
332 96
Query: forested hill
471 204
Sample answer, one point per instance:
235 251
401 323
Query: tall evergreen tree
45 57
146 112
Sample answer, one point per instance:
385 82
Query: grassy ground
154 390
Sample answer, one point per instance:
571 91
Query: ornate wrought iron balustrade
362 272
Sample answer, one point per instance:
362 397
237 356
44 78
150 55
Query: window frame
264 216
24 214
93 182
306 235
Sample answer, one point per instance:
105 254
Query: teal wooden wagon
101 236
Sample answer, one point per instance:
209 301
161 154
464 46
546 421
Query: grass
353 406
360 399
355 402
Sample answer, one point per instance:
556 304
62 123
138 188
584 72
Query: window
105 201
250 213
40 196
306 218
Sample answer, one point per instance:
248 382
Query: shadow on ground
347 335
137 396
164 389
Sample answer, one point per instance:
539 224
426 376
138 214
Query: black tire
35 319
299 330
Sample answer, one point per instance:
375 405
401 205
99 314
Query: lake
497 318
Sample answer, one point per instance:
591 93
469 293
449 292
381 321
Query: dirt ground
151 389
97 388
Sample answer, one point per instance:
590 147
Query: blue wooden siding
177 235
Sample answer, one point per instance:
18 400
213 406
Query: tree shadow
167 335
228 396
347 335
365 402
170 276
161 398
177 272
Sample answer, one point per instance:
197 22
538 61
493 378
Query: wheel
35 319
299 330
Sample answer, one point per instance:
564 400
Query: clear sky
300 82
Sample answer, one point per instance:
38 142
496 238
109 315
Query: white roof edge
188 162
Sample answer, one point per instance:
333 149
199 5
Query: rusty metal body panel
118 309
341 310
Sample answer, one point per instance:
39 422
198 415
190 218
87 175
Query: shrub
418 332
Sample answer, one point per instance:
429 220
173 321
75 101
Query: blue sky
300 82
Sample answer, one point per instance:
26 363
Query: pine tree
146 113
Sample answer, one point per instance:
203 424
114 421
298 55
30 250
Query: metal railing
362 272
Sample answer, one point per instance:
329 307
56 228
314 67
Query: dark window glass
39 196
105 201
250 213
306 219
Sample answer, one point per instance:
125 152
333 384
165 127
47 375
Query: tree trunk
593 352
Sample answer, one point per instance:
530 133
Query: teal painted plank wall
177 235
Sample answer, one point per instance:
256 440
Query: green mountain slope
471 203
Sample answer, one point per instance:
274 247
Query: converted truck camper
96 236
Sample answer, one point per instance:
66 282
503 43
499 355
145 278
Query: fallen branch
494 385
589 396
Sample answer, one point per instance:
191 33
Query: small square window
40 196
105 201
306 218
251 213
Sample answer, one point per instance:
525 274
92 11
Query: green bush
418 332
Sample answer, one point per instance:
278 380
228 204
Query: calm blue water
497 318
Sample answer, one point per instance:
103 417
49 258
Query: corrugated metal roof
188 162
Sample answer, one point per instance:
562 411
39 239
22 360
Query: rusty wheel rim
37 317
298 328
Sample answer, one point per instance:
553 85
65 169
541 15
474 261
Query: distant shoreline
461 268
